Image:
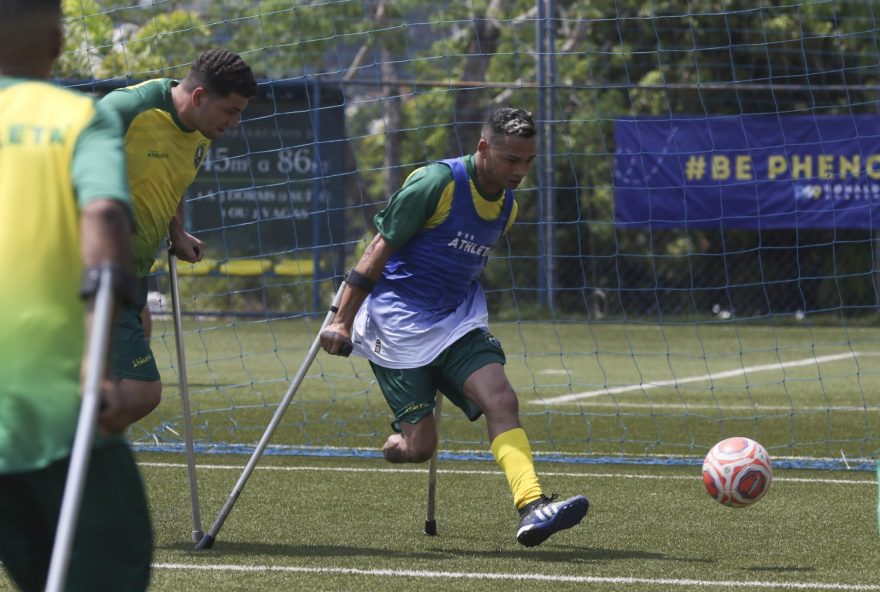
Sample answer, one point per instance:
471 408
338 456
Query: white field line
578 475
518 577
814 361
483 451
753 408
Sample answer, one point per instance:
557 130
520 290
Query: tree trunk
391 115
469 109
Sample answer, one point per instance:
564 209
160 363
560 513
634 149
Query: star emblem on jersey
200 153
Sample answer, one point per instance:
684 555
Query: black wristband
123 281
359 280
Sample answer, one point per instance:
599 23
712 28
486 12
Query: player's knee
407 456
422 446
142 397
503 402
398 449
421 454
152 395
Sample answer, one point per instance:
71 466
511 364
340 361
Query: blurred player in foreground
64 211
415 308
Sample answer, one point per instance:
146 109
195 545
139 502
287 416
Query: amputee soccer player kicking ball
169 126
415 309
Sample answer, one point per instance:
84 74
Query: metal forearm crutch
430 518
183 384
208 540
85 432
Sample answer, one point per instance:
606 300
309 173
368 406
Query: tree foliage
129 43
420 76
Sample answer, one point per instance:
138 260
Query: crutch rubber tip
431 527
197 536
206 543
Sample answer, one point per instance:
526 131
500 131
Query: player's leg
475 363
147 316
540 516
25 533
489 388
473 372
147 320
411 395
114 539
415 443
140 388
139 397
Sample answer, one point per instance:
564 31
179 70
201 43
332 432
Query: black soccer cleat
545 516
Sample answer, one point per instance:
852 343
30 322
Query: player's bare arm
105 226
369 269
105 230
186 246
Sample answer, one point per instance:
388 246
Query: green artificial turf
344 520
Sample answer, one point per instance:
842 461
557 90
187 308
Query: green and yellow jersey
424 201
58 151
162 159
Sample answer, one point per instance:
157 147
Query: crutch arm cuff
124 283
359 280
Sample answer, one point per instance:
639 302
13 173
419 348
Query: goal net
694 256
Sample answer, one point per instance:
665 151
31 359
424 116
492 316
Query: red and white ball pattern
737 472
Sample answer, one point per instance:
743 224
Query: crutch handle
345 348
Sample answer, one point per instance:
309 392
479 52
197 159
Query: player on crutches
65 226
415 309
178 119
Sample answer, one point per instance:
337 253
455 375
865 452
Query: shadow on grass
781 568
283 550
567 554
571 554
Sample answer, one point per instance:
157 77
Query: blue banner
752 171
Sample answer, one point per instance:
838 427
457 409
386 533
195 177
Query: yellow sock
513 454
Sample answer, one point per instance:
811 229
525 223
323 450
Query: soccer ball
737 472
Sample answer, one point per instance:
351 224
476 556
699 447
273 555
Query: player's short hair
509 121
10 9
221 72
